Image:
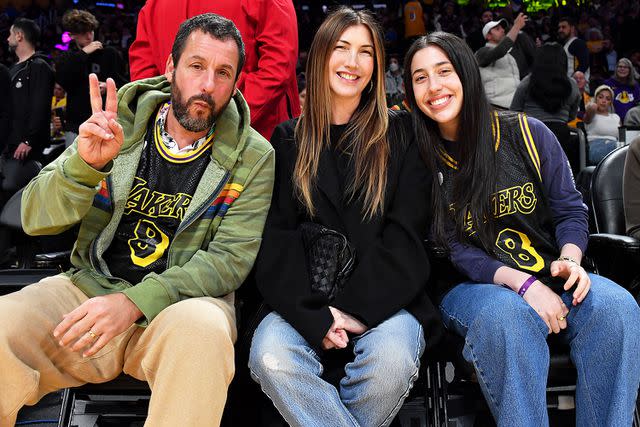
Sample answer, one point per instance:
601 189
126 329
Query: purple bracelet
526 285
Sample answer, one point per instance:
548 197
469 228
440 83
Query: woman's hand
336 336
548 305
572 273
347 322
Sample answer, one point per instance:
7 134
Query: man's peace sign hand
101 136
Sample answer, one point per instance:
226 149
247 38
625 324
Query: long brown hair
367 128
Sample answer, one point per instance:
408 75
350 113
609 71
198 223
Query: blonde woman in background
601 124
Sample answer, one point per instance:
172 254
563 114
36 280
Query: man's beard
197 123
12 48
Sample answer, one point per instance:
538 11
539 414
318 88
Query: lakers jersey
157 202
524 233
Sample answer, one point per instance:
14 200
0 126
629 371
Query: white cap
491 24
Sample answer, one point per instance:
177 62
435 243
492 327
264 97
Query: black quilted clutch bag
330 258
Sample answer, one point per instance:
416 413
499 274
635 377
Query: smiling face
351 64
437 89
622 70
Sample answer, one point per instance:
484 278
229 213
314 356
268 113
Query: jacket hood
138 100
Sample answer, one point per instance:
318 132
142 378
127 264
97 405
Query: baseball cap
489 25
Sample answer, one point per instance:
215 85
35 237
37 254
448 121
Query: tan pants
185 354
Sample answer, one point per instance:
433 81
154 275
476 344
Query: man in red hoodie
270 32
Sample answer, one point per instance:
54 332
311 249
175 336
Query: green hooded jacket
216 243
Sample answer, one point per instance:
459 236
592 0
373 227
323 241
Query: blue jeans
385 365
505 339
598 148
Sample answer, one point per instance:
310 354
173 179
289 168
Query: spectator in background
302 89
270 32
585 98
548 95
415 21
626 91
475 39
498 66
576 49
5 126
58 112
5 105
633 117
449 21
631 189
635 61
32 82
601 124
85 55
31 85
393 83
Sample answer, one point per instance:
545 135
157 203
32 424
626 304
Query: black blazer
392 265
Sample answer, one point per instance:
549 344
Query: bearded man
171 188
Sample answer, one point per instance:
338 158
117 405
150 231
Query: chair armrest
604 242
10 215
615 256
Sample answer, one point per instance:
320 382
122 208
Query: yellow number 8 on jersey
149 244
519 248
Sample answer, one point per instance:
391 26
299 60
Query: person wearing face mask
394 86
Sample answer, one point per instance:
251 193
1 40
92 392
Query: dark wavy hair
475 180
216 26
549 85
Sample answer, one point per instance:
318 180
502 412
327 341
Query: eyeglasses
622 66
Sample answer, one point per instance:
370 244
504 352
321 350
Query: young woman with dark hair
551 97
350 165
507 209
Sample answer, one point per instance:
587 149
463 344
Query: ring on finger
93 335
561 318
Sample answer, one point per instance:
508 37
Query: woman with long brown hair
350 165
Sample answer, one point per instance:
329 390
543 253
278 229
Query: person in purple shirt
505 205
626 91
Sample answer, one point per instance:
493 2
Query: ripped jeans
375 384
